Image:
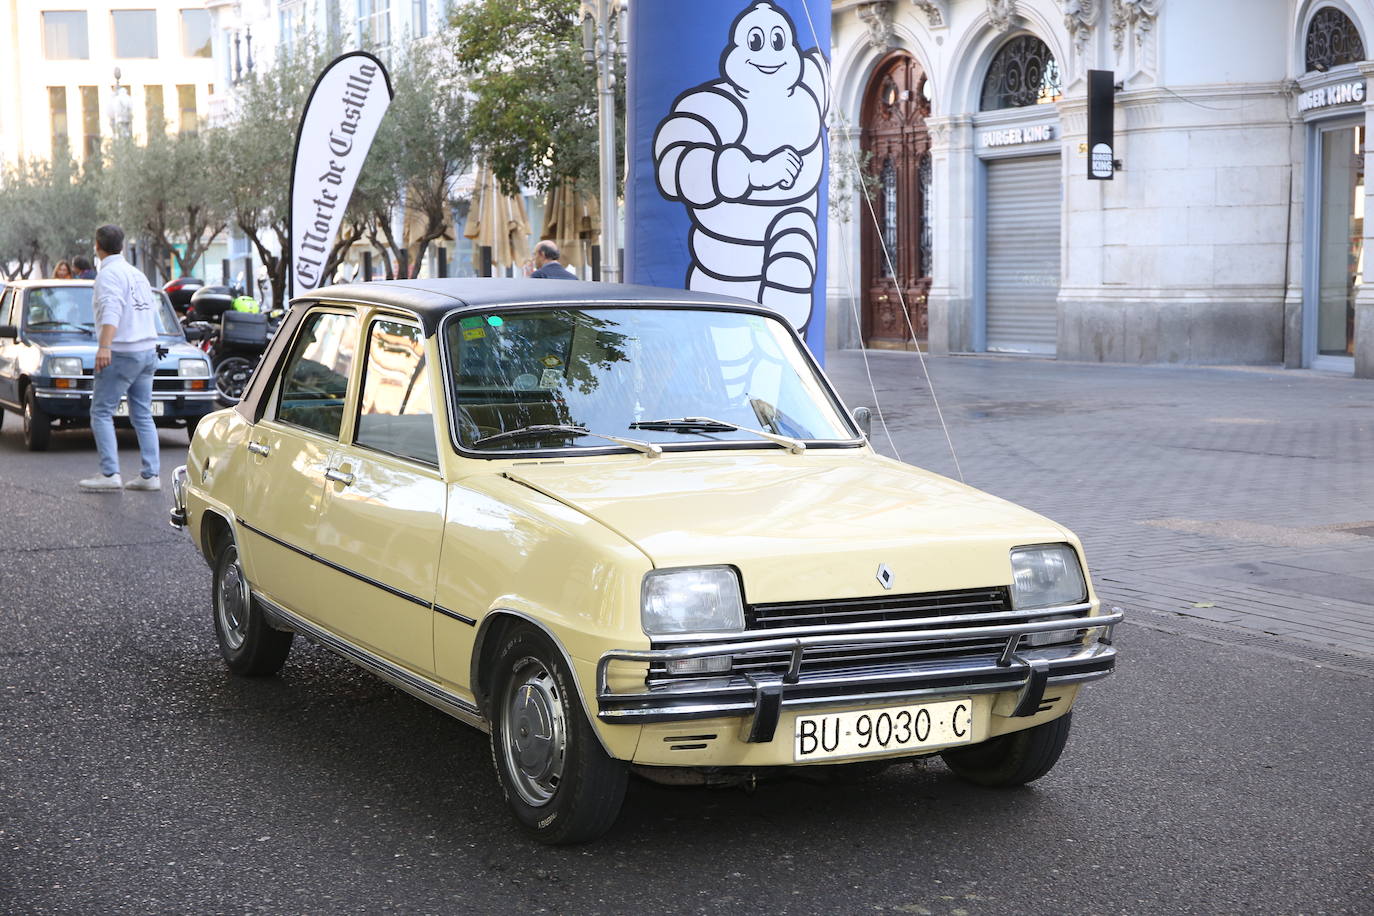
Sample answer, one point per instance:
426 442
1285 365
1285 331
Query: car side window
7 315
315 383
396 409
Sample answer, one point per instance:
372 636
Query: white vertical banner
338 125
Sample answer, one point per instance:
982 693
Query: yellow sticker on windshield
473 333
551 362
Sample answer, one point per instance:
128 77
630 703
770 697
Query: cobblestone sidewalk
1238 503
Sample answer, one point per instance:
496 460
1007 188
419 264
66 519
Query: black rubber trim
343 569
461 618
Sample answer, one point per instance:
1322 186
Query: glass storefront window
1341 266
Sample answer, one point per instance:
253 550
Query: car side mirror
194 333
10 331
863 418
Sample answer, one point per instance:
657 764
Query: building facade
58 85
1231 233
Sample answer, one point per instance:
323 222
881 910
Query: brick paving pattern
1236 499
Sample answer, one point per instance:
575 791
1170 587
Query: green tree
48 211
533 115
421 147
255 151
167 191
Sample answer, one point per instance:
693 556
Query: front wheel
249 644
37 426
560 783
1014 759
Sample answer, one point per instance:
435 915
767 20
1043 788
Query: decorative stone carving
1079 18
877 16
935 11
1001 13
1137 16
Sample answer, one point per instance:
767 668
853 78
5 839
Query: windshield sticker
470 322
473 333
551 378
551 362
495 320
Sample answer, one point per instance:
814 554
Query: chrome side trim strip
419 687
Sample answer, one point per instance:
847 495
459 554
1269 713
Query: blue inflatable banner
728 103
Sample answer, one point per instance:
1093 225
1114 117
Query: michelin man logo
746 154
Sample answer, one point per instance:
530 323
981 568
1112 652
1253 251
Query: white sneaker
144 483
102 484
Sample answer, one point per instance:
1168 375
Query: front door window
1341 268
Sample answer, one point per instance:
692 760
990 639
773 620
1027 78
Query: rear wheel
1014 759
37 426
558 781
250 645
231 377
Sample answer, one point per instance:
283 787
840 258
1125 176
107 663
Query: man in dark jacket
546 266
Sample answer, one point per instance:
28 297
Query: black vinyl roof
433 299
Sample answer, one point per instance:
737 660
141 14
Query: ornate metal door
897 231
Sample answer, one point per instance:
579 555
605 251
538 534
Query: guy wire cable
887 257
858 324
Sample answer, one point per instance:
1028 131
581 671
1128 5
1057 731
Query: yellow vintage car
627 529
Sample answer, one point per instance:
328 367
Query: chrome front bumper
764 695
179 517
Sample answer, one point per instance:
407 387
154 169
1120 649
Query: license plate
122 408
884 730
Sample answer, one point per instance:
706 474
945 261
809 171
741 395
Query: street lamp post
603 39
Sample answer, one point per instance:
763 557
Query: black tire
37 426
559 782
1014 759
231 377
250 646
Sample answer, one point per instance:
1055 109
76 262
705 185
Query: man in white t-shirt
126 321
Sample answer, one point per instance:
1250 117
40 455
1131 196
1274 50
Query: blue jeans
128 374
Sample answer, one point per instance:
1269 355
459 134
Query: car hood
801 527
84 346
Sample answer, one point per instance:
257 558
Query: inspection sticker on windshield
551 362
472 328
883 730
551 378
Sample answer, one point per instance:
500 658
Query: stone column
953 177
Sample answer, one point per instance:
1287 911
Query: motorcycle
233 336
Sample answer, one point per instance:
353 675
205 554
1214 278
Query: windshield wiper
647 448
709 425
35 325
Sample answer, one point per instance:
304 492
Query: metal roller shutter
1024 201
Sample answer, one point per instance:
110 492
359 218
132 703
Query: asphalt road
137 776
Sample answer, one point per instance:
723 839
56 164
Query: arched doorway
897 245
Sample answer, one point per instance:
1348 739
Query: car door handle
259 448
338 476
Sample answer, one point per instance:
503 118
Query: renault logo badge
884 575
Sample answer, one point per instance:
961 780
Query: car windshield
529 379
70 308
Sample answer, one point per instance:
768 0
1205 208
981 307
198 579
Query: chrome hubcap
534 732
232 599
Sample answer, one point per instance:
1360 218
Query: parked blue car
47 361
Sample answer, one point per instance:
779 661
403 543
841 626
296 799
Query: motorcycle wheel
231 377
